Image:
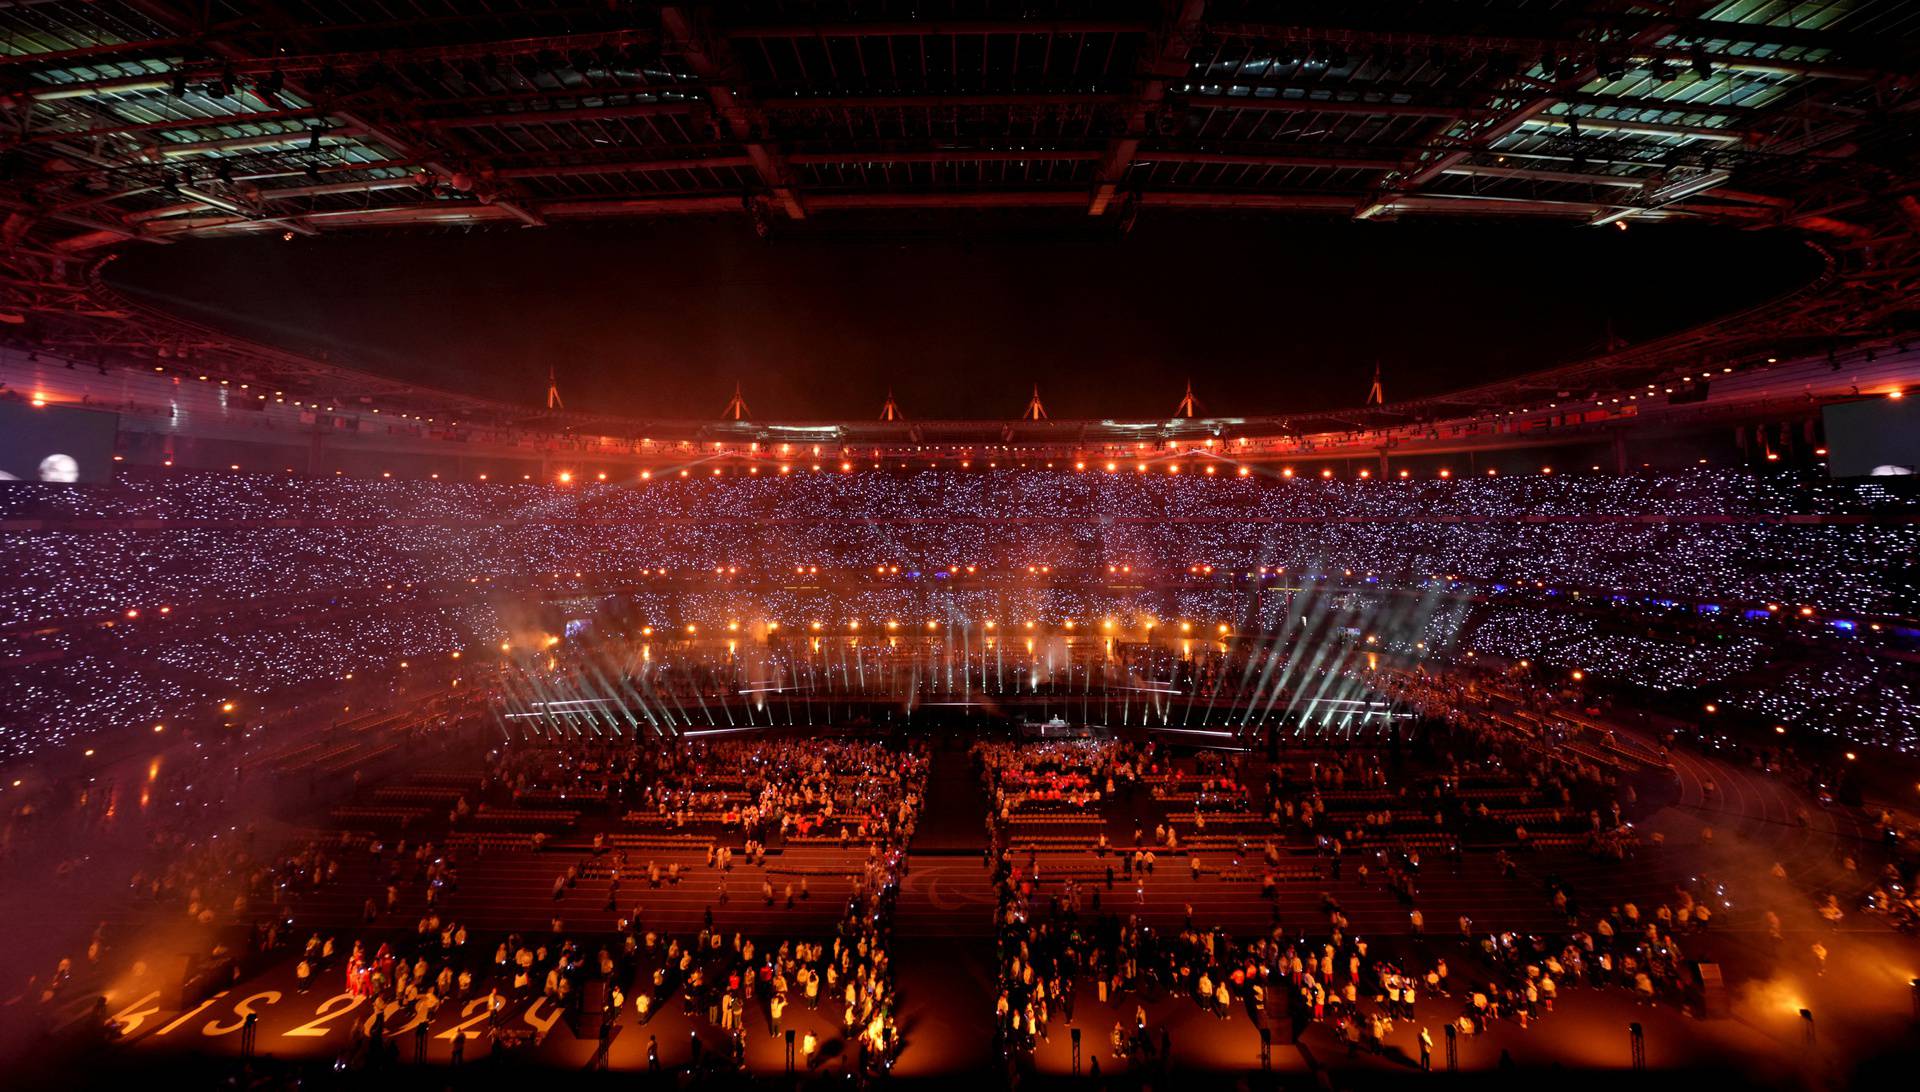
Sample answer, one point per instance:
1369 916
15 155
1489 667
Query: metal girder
62 58
941 101
1382 162
947 155
562 115
712 62
263 117
1639 40
1282 104
1529 174
940 27
231 59
625 166
1416 172
1161 56
180 23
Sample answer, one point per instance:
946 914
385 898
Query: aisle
954 820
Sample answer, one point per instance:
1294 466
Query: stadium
678 544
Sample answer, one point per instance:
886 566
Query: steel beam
712 62
1282 104
1277 159
939 27
940 101
1162 56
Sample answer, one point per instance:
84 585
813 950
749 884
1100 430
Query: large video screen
55 444
1874 437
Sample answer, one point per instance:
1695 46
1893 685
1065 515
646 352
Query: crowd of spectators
256 581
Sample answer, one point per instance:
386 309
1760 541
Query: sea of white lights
839 551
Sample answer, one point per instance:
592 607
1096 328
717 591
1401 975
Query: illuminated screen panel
55 444
1874 437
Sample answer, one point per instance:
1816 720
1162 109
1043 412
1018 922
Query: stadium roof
138 122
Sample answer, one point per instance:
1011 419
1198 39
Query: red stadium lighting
1244 471
566 476
1286 472
1445 473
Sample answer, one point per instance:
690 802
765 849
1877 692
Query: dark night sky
960 317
